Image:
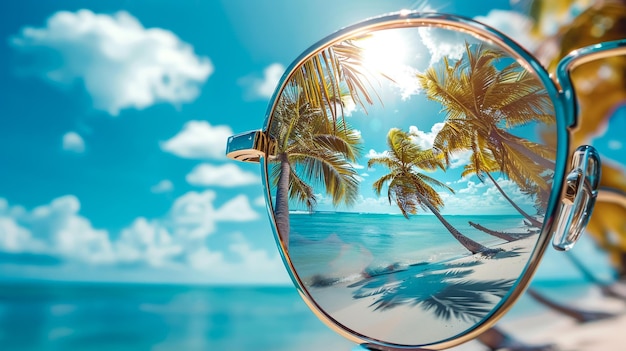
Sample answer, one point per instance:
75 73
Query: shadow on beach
447 290
465 288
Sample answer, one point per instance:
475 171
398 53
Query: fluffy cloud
424 139
73 142
251 265
236 210
199 140
121 63
57 229
260 201
373 153
147 241
14 238
443 43
227 175
263 87
513 24
486 197
164 186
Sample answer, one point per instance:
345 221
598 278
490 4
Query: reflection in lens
410 192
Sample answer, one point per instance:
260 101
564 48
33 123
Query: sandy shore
564 333
389 306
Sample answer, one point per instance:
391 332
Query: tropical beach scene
124 226
389 117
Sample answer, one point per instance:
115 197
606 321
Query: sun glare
387 53
384 51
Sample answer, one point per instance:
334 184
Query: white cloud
250 265
237 210
173 244
513 24
199 140
357 166
443 43
120 63
472 188
164 186
13 237
263 87
373 153
486 197
192 215
260 201
73 142
227 175
147 241
460 158
58 229
424 139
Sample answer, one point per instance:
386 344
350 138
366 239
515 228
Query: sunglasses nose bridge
581 189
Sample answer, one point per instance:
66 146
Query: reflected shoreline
373 300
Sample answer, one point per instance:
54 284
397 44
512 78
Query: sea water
384 239
46 316
125 317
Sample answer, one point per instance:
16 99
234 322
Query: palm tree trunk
471 245
495 339
581 316
281 212
512 141
530 218
545 163
502 235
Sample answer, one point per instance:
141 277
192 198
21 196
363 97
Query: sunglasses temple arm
577 58
612 195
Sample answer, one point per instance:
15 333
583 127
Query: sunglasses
415 168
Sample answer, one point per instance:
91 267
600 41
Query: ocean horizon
338 244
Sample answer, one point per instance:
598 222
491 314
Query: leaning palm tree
482 102
482 164
309 152
411 189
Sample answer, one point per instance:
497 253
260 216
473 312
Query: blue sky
114 120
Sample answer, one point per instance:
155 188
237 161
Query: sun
387 53
384 51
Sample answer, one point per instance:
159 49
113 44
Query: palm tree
322 78
309 149
482 163
411 189
481 103
311 138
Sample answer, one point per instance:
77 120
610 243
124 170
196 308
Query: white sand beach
400 317
564 333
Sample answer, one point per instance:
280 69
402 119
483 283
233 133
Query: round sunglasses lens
410 174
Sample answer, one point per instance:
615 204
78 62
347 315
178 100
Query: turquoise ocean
46 316
385 239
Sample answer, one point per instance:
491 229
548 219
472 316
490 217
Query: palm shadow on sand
446 290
